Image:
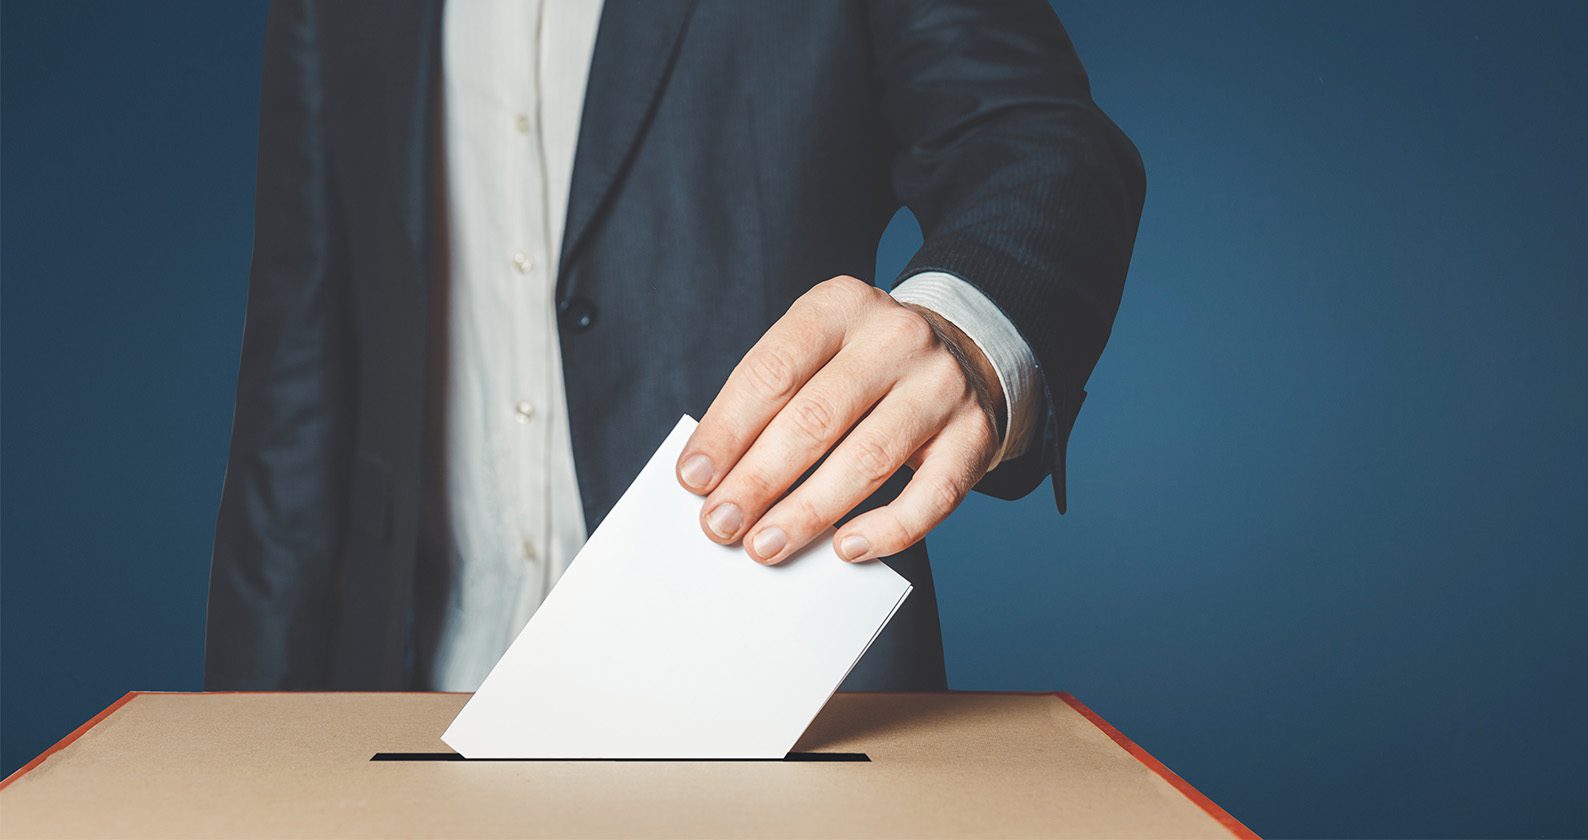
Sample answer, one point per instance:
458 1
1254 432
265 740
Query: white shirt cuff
964 306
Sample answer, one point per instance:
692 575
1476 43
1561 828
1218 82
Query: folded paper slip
658 643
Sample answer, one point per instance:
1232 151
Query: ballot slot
452 756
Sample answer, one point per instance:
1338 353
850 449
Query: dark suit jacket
731 155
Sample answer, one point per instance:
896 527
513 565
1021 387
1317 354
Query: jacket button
576 314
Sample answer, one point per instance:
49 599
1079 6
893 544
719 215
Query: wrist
978 369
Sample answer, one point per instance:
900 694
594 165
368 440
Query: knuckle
813 417
873 461
909 330
836 300
943 367
942 497
846 285
806 516
810 303
772 372
984 431
756 489
750 490
845 292
896 536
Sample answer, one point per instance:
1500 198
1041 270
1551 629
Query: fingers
844 349
798 345
806 429
876 449
950 466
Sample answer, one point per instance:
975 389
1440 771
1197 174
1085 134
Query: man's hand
876 383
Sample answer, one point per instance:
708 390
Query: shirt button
529 551
524 411
576 314
522 123
524 263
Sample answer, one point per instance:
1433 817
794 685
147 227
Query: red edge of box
70 737
1234 825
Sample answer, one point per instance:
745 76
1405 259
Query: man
501 247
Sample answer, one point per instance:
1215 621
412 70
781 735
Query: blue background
1326 554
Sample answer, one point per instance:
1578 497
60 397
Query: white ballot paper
658 643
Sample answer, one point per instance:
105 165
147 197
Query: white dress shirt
514 74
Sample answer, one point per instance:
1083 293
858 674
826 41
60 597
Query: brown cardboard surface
297 765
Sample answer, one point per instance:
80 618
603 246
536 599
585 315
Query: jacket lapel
634 51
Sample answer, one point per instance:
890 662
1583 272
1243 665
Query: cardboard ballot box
370 765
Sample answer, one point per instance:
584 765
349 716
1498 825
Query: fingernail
769 542
854 547
696 471
725 520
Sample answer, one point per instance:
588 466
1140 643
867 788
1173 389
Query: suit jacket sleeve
282 504
1022 187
